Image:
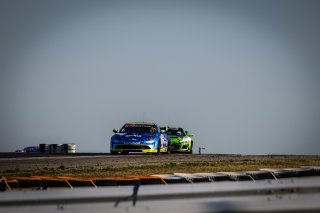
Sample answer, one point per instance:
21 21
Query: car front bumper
133 148
179 147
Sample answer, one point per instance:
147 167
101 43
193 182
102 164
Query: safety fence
46 183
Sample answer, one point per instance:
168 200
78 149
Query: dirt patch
131 165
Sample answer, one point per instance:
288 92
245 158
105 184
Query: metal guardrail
277 195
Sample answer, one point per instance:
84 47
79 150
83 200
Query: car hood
126 136
175 137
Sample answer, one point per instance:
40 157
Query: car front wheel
158 148
168 148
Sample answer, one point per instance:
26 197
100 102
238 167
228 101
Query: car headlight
184 142
116 138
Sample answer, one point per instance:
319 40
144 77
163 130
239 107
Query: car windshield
138 129
175 132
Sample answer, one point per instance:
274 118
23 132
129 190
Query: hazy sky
243 76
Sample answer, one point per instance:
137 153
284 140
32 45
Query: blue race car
139 137
31 149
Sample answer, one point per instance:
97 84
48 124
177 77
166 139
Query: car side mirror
115 131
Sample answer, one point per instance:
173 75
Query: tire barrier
52 182
193 178
260 175
302 172
289 173
29 182
315 169
2 185
208 176
221 177
11 184
150 180
23 182
78 182
172 179
104 182
123 181
47 183
237 176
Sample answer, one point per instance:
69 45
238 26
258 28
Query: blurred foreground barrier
276 195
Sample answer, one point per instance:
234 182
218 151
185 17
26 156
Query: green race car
180 140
